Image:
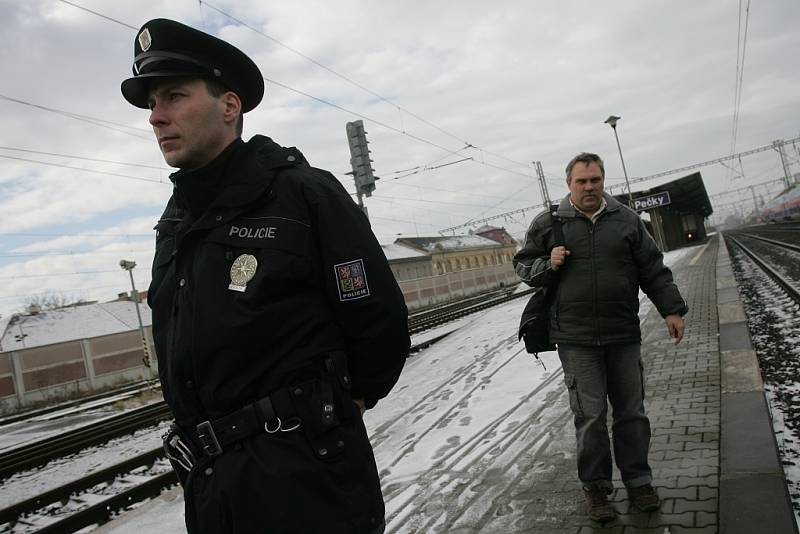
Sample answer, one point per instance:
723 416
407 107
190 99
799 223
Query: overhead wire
426 187
387 126
58 291
70 253
741 48
19 276
71 156
85 118
100 15
333 105
381 197
18 234
356 84
93 171
426 168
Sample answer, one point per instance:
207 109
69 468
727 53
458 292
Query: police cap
165 48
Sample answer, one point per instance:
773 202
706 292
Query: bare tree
49 301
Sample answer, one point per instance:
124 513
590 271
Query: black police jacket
281 268
596 298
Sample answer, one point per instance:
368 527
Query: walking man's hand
675 326
558 256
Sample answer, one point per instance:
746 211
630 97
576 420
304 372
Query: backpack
534 326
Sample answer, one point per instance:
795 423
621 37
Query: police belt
274 413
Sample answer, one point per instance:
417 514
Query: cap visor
137 88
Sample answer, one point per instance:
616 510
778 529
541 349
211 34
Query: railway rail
784 282
767 269
40 452
96 400
42 513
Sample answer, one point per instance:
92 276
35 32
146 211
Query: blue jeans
592 374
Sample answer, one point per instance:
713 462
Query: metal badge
144 40
242 271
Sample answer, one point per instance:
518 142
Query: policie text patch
351 280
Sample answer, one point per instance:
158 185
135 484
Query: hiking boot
598 508
645 498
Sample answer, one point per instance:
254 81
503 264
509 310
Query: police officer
276 318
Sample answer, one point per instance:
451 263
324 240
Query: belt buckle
205 433
176 450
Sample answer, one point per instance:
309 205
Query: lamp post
612 121
128 266
655 215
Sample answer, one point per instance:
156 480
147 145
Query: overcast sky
519 81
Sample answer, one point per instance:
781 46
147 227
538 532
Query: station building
450 254
677 210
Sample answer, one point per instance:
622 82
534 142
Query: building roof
25 331
456 242
398 251
687 195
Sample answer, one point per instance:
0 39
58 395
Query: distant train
784 206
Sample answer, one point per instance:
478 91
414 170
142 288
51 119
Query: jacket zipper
594 282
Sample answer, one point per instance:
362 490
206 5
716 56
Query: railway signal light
359 158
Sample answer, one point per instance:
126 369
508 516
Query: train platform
477 437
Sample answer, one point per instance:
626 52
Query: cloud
521 81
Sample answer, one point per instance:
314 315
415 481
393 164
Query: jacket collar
261 159
567 210
249 179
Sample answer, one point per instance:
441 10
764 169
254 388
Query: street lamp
612 121
128 266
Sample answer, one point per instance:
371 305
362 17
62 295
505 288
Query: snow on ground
42 426
461 412
464 415
27 484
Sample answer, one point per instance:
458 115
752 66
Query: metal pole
128 266
542 185
624 170
786 173
136 302
361 203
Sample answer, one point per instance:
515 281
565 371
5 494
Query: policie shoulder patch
351 280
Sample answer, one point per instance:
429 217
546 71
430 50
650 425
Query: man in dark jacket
607 256
276 318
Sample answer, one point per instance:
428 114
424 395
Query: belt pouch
316 406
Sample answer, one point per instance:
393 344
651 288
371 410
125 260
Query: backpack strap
558 232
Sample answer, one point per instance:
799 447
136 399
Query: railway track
768 278
97 400
44 514
775 274
445 314
40 452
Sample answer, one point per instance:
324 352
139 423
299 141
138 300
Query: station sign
650 202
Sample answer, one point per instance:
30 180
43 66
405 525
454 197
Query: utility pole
542 185
778 145
360 162
755 200
128 266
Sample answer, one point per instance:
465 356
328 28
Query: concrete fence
60 371
431 290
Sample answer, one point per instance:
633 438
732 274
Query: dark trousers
592 375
